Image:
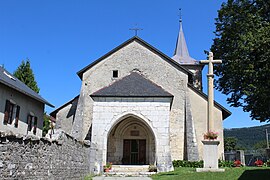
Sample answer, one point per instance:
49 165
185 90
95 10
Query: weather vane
136 29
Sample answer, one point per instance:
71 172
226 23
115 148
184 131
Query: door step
129 170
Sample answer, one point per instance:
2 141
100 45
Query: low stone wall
28 157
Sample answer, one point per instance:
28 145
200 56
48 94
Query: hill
247 137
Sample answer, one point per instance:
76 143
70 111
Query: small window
115 74
29 122
9 110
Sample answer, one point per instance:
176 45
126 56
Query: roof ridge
11 81
142 42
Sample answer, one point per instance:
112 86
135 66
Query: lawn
242 173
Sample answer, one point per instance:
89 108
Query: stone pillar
210 157
163 154
240 155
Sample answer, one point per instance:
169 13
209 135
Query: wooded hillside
248 137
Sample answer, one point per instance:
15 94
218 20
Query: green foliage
247 137
267 163
199 164
25 74
222 163
88 177
229 143
260 145
46 124
243 43
183 163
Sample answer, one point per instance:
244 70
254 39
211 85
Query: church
138 106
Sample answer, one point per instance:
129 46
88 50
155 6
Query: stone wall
135 57
28 157
151 113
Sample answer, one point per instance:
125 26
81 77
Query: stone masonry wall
28 157
135 57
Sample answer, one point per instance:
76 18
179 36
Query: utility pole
267 143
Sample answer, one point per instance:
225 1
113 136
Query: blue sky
62 37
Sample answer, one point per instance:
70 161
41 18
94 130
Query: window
29 122
115 74
17 116
10 109
35 125
32 122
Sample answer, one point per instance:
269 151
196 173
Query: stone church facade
139 106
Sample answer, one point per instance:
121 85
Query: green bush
222 163
192 164
199 164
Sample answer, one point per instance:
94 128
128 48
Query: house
139 106
21 109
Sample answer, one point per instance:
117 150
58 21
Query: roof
181 54
225 112
53 114
143 43
9 80
133 85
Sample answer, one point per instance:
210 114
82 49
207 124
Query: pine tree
25 74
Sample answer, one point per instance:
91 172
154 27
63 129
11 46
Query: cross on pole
135 30
210 79
180 14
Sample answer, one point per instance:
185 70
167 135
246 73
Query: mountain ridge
247 137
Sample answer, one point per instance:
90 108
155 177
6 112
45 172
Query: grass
242 173
88 177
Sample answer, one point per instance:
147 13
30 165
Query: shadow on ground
255 174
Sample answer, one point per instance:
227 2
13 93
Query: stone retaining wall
28 157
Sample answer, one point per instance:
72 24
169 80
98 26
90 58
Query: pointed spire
181 54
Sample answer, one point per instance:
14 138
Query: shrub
192 164
199 164
267 163
222 163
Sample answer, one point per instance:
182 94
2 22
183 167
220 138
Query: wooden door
142 152
126 152
134 151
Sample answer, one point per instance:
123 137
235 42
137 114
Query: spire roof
181 54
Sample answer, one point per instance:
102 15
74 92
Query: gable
133 85
146 45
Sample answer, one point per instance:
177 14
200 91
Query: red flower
258 163
237 163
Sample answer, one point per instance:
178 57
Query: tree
243 43
260 145
25 74
46 124
230 143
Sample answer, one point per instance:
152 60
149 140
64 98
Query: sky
62 37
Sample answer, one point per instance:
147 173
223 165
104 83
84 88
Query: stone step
128 174
130 168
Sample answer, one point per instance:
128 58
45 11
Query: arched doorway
131 141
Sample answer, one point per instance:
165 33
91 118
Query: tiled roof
9 80
133 85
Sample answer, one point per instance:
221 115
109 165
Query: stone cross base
210 157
